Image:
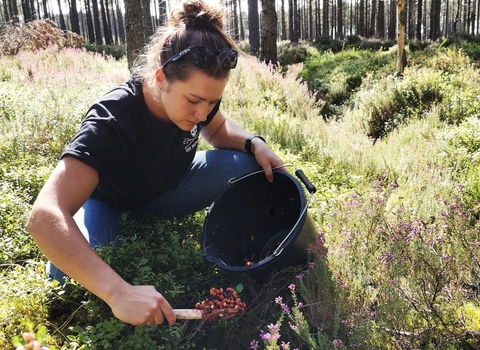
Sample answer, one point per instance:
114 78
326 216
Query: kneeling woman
136 151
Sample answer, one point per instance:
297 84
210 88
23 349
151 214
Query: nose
201 112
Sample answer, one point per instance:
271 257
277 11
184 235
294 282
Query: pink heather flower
300 304
278 300
337 342
291 287
285 346
293 327
273 327
254 344
285 308
266 336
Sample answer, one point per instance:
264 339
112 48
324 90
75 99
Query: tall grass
397 215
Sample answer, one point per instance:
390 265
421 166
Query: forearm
59 238
231 135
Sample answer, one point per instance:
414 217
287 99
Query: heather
395 163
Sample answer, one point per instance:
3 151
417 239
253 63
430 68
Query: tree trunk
234 12
401 53
310 19
96 23
419 20
105 23
435 20
63 26
268 39
45 11
381 19
74 22
147 19
339 33
90 27
121 23
27 13
325 26
283 36
361 20
411 19
392 28
253 27
373 18
240 19
136 28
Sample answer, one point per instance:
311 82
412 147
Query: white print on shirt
190 143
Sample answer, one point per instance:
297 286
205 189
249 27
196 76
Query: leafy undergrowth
397 219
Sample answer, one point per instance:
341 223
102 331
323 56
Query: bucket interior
248 222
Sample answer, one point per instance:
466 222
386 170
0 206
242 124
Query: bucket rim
283 247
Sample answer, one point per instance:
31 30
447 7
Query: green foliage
115 51
397 220
336 77
291 54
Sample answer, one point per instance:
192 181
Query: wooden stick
189 314
195 314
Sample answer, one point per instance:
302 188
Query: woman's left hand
265 157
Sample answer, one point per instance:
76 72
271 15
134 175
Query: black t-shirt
137 155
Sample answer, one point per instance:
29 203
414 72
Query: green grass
397 218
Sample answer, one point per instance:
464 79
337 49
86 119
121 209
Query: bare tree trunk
373 18
121 23
253 26
269 32
435 19
381 19
90 27
401 53
63 26
74 22
325 26
45 11
235 20
96 23
147 18
393 21
283 36
105 24
240 18
133 29
419 20
361 20
411 19
339 33
310 19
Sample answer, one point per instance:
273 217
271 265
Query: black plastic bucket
258 227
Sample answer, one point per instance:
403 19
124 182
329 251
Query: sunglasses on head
206 57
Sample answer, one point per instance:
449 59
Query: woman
136 151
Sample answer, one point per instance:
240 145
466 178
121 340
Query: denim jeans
206 180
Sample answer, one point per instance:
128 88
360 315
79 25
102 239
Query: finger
158 317
268 173
169 315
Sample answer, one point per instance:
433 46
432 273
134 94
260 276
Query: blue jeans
206 180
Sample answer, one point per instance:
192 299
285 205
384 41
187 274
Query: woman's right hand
140 305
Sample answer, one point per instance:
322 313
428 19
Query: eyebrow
204 99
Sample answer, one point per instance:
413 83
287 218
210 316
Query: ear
160 77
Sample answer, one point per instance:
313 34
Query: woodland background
117 22
395 158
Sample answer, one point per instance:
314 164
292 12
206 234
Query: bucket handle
298 172
308 185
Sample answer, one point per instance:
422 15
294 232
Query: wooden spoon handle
188 314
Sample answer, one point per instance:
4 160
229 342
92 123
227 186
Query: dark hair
194 23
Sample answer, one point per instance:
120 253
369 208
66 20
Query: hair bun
195 13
